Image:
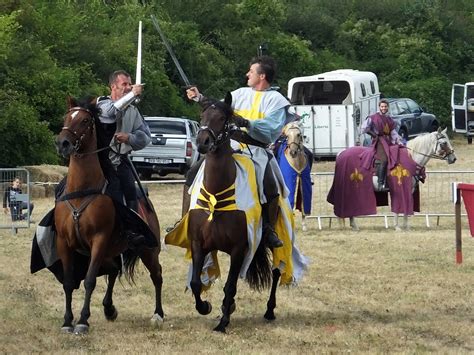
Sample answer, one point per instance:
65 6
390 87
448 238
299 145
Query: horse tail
259 274
130 259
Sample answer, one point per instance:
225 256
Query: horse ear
71 102
228 98
440 129
93 100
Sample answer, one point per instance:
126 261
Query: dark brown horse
88 223
226 228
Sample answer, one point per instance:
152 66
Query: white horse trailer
332 106
462 109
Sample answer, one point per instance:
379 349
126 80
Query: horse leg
203 307
230 289
110 311
341 222
271 304
405 222
67 259
353 224
395 223
304 228
151 261
90 281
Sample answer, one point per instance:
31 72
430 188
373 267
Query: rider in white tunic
263 112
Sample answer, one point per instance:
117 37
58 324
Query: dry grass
373 291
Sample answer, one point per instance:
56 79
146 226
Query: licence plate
158 161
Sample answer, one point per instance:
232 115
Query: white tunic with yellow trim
287 258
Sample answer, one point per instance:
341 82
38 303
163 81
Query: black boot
270 214
134 239
381 176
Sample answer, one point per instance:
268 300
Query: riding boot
134 239
270 212
381 176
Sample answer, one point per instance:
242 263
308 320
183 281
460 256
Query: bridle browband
78 139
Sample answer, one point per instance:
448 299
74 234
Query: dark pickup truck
172 148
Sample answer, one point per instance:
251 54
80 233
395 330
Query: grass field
373 291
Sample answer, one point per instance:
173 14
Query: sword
173 56
138 75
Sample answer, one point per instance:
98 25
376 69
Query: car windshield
167 127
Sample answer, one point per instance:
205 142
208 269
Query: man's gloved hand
241 122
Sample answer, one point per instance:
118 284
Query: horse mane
419 142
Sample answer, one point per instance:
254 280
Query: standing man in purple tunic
383 130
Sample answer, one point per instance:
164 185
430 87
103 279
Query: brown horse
88 224
226 228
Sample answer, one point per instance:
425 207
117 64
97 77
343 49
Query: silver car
172 148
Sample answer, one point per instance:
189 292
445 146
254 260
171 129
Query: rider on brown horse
262 112
121 130
383 130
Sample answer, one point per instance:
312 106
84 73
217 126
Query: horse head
78 130
215 119
295 139
434 145
444 148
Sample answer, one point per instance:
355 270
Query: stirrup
270 238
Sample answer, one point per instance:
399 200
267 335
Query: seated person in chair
262 112
10 203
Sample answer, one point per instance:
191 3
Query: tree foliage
51 49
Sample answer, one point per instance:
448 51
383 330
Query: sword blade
171 53
138 76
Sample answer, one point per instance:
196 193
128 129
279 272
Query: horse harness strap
221 201
90 195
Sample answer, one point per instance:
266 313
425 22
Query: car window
394 109
167 127
403 108
413 106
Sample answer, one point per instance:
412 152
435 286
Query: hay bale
46 173
37 191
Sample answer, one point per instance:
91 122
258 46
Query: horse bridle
79 138
444 147
299 145
221 137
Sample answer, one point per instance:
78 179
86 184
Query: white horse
421 149
296 169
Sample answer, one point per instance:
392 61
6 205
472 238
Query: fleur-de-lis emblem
399 172
356 176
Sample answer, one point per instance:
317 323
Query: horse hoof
220 328
67 329
156 321
205 309
304 229
398 229
80 329
110 313
269 315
